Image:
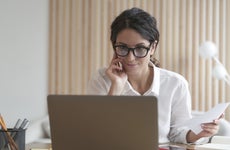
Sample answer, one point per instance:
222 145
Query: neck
142 82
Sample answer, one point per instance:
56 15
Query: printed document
195 123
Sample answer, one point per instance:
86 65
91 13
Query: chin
132 71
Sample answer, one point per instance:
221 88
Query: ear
153 48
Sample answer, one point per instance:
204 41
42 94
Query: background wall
79 42
79 45
23 59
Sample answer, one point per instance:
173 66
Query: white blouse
174 100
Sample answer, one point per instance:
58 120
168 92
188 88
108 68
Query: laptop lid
88 122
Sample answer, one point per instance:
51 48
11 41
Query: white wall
23 59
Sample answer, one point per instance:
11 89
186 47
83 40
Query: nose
130 56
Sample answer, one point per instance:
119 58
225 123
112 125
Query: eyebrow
138 44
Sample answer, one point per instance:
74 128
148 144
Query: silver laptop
83 122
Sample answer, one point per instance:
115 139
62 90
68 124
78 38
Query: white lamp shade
219 72
208 49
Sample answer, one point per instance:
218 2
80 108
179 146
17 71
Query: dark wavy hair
140 21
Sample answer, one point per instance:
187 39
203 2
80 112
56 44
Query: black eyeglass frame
132 49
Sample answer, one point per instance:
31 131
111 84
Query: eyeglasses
139 51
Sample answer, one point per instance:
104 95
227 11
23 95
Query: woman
133 71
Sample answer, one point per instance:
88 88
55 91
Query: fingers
210 128
116 63
216 121
221 116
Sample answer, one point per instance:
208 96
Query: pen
16 126
26 125
23 124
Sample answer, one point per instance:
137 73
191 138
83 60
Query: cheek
145 61
121 58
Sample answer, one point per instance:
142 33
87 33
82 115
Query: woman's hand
209 129
117 75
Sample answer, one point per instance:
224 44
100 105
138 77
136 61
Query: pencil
13 145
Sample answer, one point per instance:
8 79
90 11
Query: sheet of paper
195 123
221 139
213 146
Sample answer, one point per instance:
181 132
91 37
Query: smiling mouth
131 65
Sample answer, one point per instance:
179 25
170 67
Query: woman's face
131 39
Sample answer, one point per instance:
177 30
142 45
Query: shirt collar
155 87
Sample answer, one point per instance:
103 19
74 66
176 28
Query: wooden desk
48 146
176 146
38 145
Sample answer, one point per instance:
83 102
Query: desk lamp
208 50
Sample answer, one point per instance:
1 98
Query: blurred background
55 46
79 42
24 32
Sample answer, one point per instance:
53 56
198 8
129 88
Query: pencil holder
17 139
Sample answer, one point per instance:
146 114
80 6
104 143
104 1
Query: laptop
89 122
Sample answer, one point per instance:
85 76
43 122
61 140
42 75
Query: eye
122 47
141 49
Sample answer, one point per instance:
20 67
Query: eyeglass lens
137 51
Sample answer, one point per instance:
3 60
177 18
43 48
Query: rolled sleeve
178 135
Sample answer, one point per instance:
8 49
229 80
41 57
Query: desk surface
38 146
48 146
169 146
176 146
